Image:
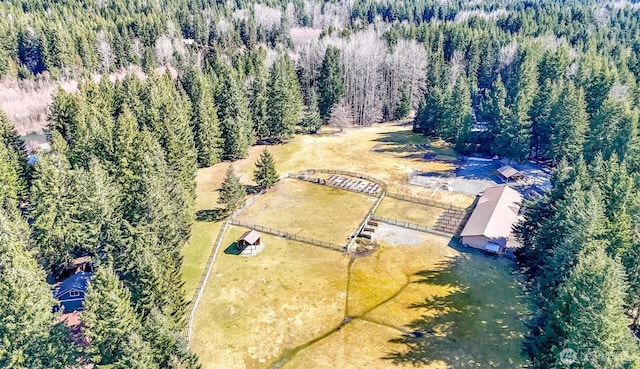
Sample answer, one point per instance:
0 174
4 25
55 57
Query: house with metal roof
489 226
71 292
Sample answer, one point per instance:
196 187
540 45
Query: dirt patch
394 235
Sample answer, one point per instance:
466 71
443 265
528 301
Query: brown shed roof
250 236
507 171
494 214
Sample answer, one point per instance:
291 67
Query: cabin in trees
72 291
510 173
489 226
249 243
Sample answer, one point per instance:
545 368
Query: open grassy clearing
409 211
280 305
253 308
321 212
468 307
349 150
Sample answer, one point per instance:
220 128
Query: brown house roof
494 214
250 237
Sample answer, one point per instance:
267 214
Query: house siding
477 242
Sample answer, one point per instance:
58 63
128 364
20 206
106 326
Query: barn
72 290
489 226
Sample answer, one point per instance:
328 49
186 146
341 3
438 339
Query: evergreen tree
169 348
596 76
330 88
265 174
12 185
404 105
259 100
613 129
588 317
168 116
204 120
237 130
312 121
570 117
232 193
455 125
541 123
285 101
111 324
53 209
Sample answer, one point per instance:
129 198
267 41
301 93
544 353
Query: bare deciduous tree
341 116
164 50
104 51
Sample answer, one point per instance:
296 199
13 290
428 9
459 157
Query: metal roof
250 236
494 214
507 171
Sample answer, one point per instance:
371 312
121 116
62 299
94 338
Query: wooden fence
203 280
408 225
380 183
427 202
364 222
291 236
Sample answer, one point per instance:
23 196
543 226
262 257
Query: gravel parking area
474 175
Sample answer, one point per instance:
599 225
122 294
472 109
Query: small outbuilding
71 292
489 226
510 173
249 243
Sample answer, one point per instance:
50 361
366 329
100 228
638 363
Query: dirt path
289 354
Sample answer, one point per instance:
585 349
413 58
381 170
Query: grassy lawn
409 211
468 306
286 304
311 210
254 308
196 252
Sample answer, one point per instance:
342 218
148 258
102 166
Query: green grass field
196 252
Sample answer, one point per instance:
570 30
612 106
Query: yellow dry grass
409 211
310 210
254 308
467 307
284 304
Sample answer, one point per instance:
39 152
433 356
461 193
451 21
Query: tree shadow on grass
210 215
479 324
252 190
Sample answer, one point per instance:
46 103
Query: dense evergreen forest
553 81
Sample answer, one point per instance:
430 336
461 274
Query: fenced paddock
317 212
413 226
287 235
345 180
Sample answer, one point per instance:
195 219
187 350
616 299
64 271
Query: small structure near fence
510 173
250 243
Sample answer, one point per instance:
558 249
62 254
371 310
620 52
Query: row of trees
580 256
